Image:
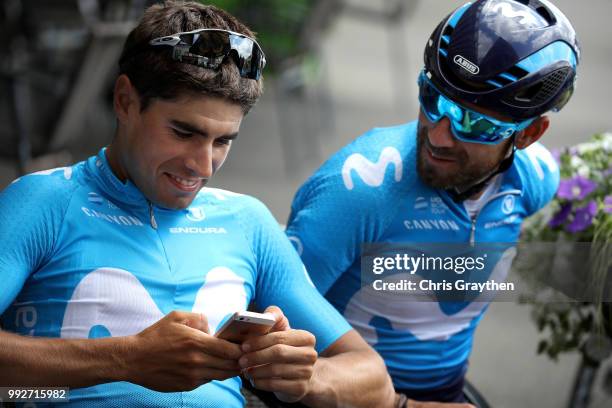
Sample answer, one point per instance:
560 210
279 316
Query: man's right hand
178 354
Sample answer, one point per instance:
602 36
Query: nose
440 135
200 160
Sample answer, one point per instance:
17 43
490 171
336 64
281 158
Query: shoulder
380 160
229 200
248 210
32 211
539 175
382 146
45 189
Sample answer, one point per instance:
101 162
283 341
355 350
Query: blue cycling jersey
87 256
370 192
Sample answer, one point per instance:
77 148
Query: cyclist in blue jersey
117 271
469 170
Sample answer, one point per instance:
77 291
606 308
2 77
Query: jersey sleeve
541 176
31 212
282 279
349 201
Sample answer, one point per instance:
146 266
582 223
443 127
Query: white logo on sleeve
27 317
372 174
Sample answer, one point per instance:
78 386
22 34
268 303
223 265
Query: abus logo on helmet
466 64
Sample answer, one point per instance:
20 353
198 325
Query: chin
436 182
180 204
174 203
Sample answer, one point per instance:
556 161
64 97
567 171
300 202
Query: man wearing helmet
469 170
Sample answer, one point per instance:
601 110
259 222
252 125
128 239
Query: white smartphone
242 325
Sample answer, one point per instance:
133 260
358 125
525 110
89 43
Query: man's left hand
281 361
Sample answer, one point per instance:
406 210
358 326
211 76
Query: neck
114 161
478 194
475 190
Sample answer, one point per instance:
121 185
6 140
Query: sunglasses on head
466 125
209 47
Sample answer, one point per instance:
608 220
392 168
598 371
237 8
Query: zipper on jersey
154 225
475 218
152 216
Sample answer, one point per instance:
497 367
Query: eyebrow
194 129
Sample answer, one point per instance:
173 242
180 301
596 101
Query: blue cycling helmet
515 57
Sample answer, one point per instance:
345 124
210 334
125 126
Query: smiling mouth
184 184
439 157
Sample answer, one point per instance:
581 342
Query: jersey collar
101 171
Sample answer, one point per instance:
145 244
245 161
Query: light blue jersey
370 192
87 256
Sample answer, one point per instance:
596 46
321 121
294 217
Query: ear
125 98
532 133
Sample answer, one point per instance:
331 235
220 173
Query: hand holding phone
243 325
281 361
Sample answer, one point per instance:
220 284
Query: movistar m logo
372 174
102 299
466 64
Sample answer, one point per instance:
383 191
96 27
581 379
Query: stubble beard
466 174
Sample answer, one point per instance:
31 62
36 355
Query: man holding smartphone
117 271
469 170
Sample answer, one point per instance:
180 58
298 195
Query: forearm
75 363
355 379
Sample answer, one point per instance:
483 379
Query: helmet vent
546 14
445 40
541 9
543 90
510 76
517 72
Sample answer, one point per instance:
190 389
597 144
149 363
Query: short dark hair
155 74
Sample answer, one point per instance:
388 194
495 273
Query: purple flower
556 154
583 217
561 215
576 188
608 204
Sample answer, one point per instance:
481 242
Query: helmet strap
460 195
